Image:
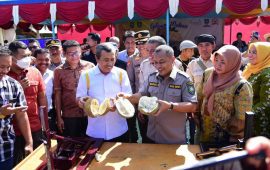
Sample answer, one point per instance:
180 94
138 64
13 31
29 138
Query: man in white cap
186 52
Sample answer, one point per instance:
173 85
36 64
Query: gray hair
107 47
156 40
167 50
114 39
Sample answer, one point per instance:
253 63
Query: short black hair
70 43
41 51
128 34
4 52
239 33
15 45
33 41
95 37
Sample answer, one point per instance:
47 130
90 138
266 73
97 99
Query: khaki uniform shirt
169 126
147 68
133 70
196 72
66 80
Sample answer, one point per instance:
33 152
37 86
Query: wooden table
116 156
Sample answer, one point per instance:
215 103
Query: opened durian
148 105
124 107
93 109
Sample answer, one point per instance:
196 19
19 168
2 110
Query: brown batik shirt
66 80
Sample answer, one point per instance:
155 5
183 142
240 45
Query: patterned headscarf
218 82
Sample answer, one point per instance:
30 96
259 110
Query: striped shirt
10 92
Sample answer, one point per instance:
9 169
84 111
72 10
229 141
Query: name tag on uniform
173 86
154 84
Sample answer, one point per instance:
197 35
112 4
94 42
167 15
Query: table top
116 156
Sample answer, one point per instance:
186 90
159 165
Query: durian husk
124 108
94 109
148 105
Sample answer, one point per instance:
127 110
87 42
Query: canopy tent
111 11
80 14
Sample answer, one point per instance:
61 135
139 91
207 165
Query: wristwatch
171 107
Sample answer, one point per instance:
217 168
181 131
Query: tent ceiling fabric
113 10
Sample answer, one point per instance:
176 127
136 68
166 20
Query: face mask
24 62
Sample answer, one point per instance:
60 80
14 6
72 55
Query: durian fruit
104 107
148 105
93 109
124 107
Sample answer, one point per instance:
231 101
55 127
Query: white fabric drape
218 6
91 10
15 14
130 5
53 12
173 5
264 4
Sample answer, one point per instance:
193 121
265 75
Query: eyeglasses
33 47
252 52
76 53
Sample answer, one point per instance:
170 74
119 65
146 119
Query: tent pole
168 27
53 31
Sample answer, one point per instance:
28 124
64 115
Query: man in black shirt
187 51
93 40
241 45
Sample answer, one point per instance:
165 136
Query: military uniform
169 126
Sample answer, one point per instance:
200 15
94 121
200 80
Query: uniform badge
190 88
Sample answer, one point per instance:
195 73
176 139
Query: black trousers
132 130
75 126
123 138
143 130
19 153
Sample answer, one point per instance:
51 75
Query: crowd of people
201 98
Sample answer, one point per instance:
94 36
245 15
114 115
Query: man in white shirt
206 44
105 81
42 64
130 46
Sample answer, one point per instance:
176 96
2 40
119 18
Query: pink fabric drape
34 13
7 25
72 12
151 9
111 10
6 14
241 6
82 27
265 19
197 7
248 21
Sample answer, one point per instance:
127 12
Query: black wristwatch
171 107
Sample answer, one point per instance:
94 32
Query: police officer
133 70
176 94
206 44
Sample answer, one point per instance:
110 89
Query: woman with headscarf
257 73
224 97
